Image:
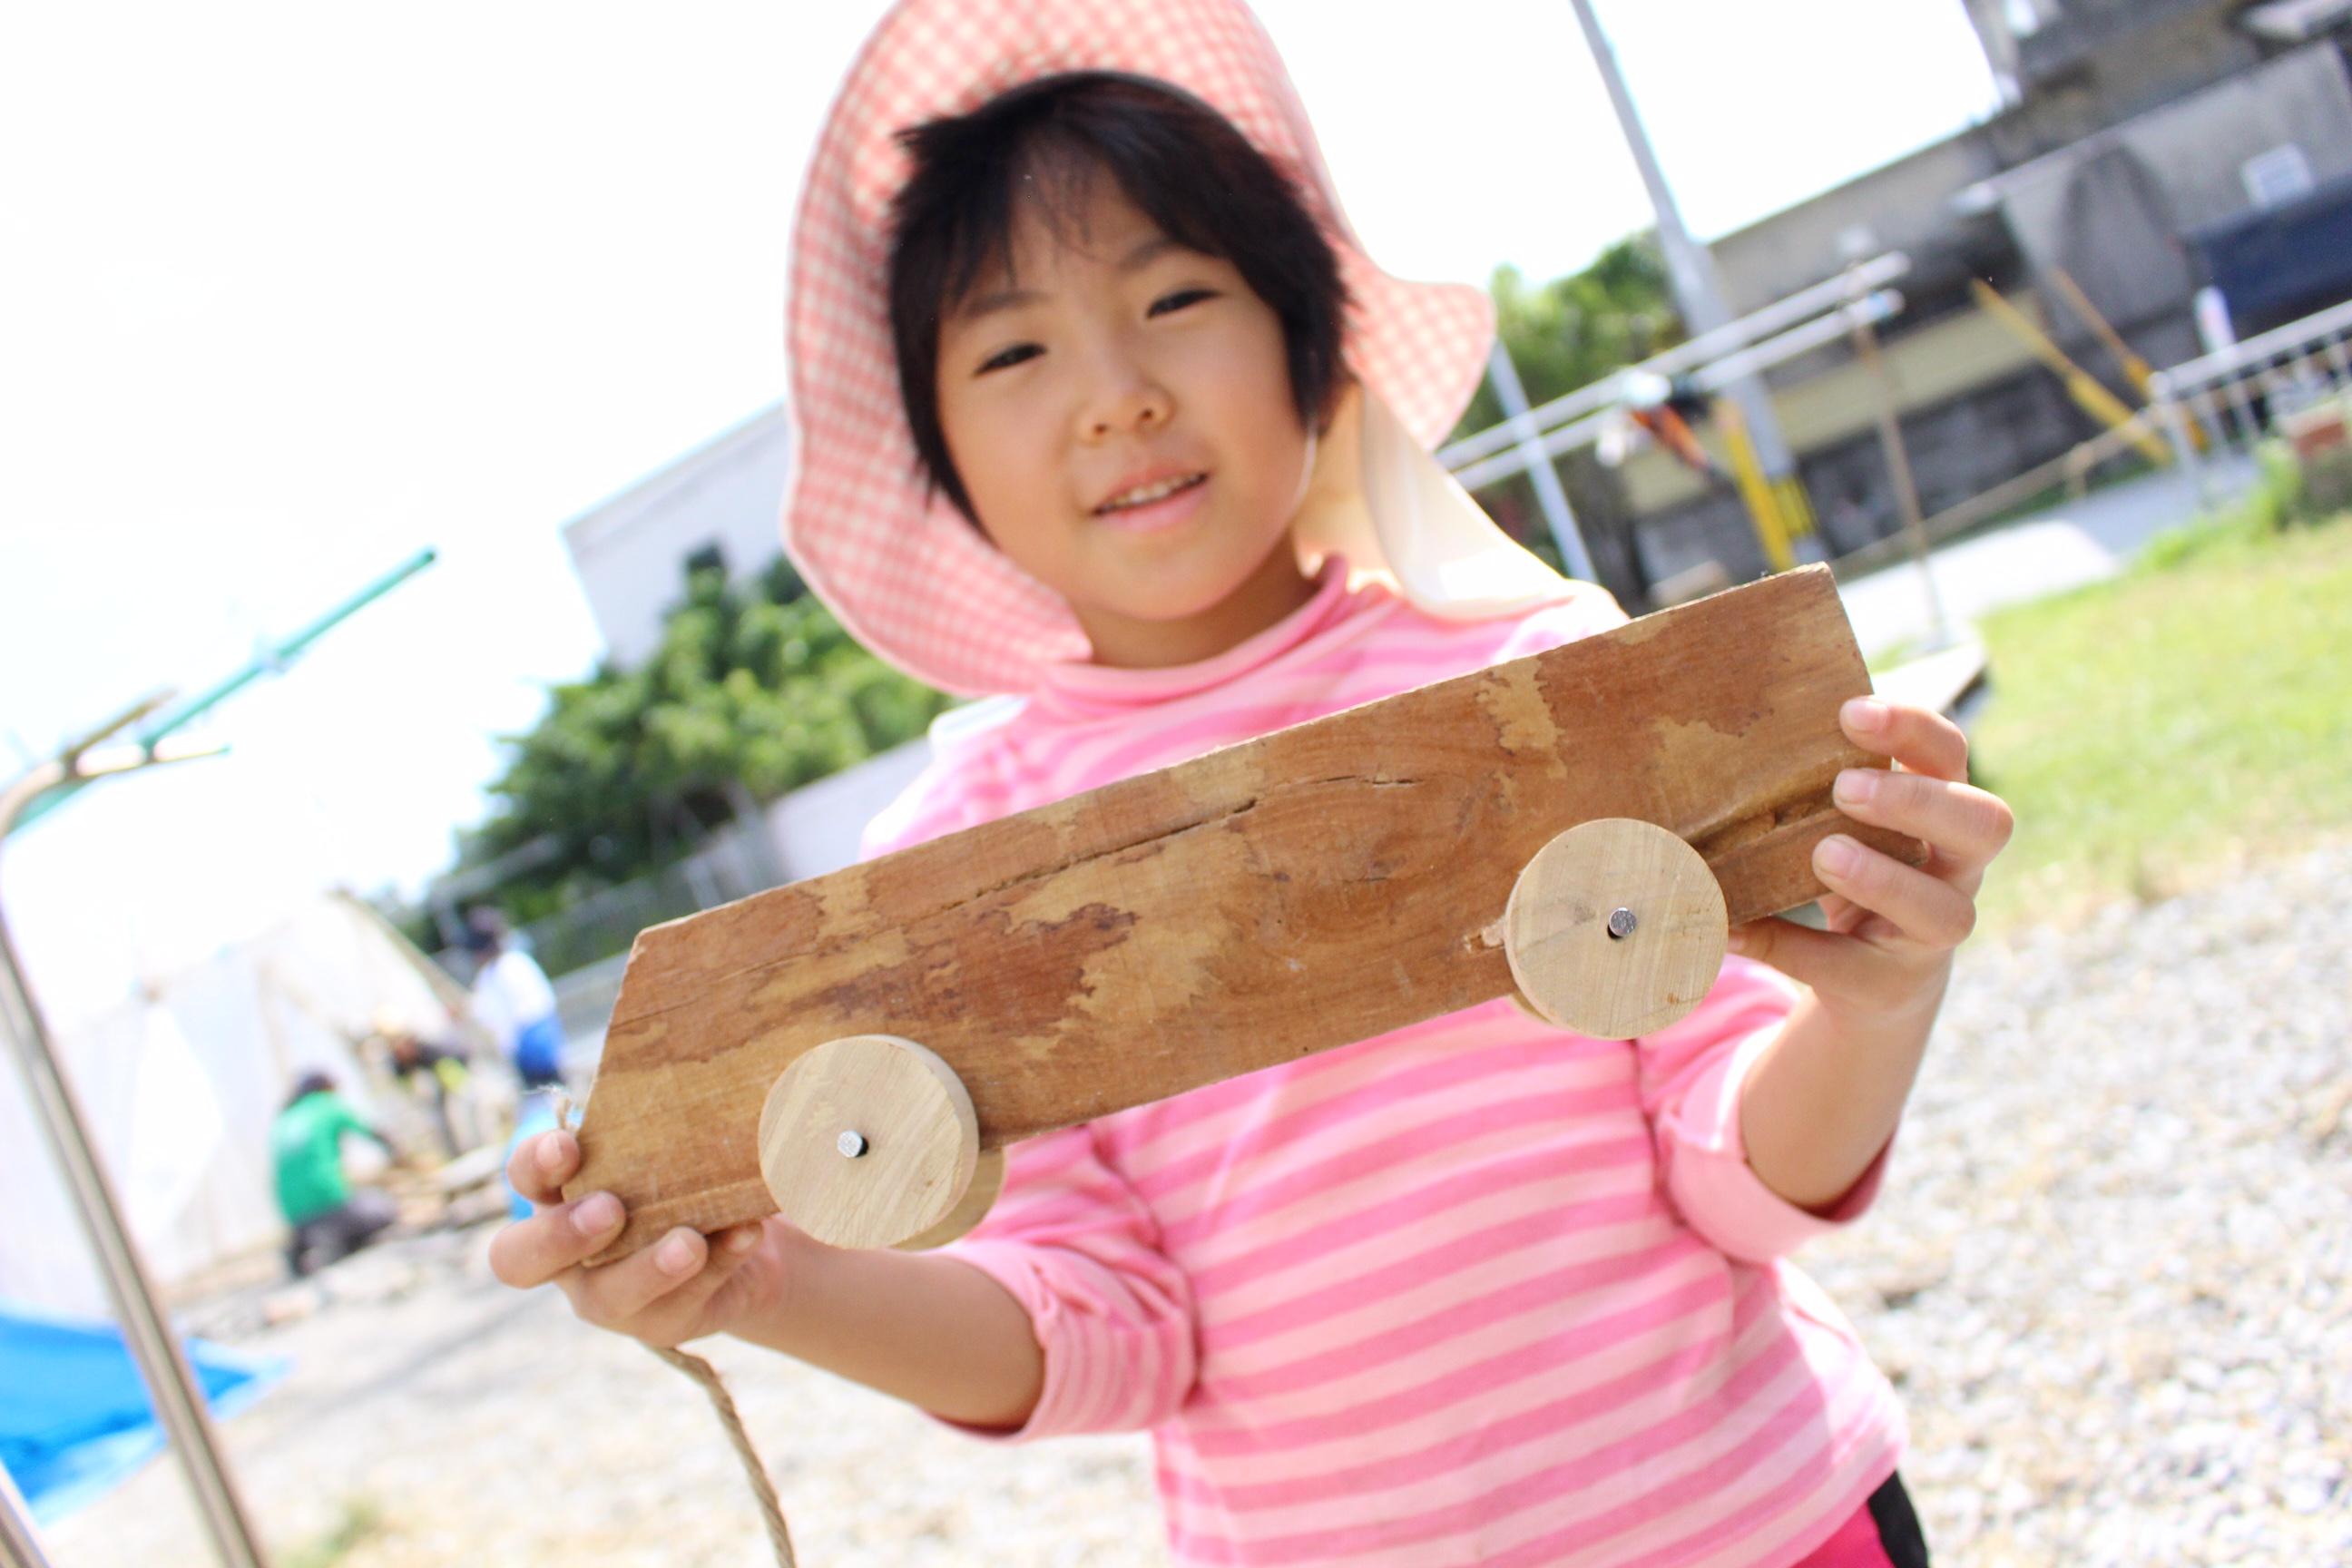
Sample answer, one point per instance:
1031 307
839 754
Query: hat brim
903 571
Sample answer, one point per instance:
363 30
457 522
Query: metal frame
2212 390
19 1547
1823 314
179 1401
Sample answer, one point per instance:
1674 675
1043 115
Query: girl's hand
680 1289
1892 927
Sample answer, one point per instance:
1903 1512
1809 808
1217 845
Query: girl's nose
1128 402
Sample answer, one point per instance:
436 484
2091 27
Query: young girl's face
1120 411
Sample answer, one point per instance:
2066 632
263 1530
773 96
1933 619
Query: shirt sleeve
1076 1246
1692 1075
346 1121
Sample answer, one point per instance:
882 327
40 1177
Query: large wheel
1616 928
869 1141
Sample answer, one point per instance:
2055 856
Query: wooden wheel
987 1181
869 1141
1616 928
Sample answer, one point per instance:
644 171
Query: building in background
717 506
2149 150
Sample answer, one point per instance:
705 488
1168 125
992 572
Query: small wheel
868 1141
1616 928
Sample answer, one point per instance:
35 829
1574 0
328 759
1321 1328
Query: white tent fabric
178 1088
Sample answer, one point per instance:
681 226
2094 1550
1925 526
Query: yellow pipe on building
2085 389
1755 490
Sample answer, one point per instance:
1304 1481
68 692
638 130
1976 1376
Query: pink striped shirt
1478 1291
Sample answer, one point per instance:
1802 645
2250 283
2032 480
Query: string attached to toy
772 1513
706 1376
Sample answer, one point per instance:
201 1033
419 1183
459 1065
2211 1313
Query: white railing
1547 422
2232 395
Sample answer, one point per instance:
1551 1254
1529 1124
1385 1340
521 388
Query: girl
1102 407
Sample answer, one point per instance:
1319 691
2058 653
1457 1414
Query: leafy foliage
754 692
1571 332
1562 335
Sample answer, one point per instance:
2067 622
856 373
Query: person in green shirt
330 1219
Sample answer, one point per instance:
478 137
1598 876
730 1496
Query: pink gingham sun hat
907 575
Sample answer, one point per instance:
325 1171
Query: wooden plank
1937 682
1309 889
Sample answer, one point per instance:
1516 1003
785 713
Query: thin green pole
269 661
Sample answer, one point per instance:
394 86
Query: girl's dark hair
1180 161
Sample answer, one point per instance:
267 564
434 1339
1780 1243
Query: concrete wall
630 554
2112 210
1904 206
2134 54
1930 365
2103 61
2188 156
1957 449
817 828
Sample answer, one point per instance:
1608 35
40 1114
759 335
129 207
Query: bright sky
295 290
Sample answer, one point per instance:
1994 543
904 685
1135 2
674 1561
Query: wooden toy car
1579 828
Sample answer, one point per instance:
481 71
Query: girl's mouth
1149 508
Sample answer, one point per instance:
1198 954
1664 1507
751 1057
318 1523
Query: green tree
754 692
1562 335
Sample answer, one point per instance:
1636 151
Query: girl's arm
1825 1097
926 1329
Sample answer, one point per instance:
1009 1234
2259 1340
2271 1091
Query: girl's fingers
1841 915
1926 909
1836 966
1922 741
559 1237
1966 826
658 1293
540 1165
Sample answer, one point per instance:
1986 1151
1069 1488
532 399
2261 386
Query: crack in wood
1032 876
1166 834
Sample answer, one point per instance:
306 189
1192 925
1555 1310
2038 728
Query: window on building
2275 177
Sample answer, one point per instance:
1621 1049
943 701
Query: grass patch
2153 731
357 1519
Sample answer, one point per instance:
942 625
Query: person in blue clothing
512 1000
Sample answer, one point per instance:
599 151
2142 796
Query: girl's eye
1005 358
1179 300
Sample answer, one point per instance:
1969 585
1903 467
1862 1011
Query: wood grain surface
1309 889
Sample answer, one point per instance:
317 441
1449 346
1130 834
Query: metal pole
179 1404
1557 514
19 1547
1699 287
1899 470
270 661
2169 415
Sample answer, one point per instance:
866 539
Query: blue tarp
74 1414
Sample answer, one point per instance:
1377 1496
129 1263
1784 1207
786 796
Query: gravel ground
2112 1275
